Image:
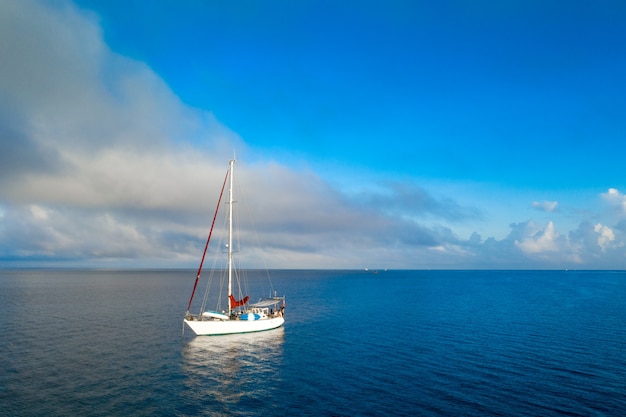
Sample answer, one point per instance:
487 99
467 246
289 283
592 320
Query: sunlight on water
231 373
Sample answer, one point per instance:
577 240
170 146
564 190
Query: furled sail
234 303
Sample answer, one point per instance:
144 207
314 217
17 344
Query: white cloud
90 128
537 240
605 236
548 206
616 199
100 161
105 171
39 213
95 156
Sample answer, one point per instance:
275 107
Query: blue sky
396 134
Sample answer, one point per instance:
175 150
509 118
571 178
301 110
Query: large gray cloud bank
102 165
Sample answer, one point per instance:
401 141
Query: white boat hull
220 327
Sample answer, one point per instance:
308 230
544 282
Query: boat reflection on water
233 374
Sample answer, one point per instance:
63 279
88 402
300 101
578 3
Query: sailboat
240 315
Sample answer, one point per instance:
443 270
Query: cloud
409 200
101 164
531 245
84 126
535 240
594 246
605 236
93 145
616 199
598 243
547 206
299 211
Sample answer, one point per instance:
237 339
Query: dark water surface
478 343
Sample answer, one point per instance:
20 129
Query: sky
401 134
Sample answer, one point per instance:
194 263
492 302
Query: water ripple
428 343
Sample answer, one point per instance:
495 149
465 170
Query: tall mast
230 234
219 201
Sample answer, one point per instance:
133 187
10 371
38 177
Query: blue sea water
415 343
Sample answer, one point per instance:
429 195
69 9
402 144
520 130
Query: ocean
355 343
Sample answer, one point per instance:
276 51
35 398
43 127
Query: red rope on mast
207 243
